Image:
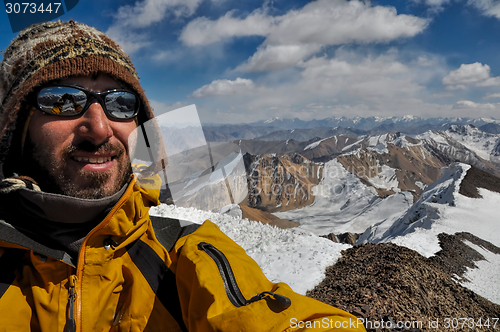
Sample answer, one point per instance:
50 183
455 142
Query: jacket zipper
71 323
76 302
233 292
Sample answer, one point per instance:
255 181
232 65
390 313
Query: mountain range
416 207
295 129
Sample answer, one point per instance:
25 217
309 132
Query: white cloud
474 73
300 33
491 81
492 95
144 13
467 104
129 40
424 61
436 3
434 6
202 31
350 76
274 57
443 95
488 7
350 83
240 86
335 22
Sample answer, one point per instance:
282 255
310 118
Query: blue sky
243 61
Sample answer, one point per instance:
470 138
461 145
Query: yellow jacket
126 280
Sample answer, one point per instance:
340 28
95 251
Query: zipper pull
277 302
71 324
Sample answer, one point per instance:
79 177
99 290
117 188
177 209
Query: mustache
86 146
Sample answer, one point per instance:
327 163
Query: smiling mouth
93 160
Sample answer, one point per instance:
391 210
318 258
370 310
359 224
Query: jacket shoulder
169 230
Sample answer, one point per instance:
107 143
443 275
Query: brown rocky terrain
416 162
387 282
477 178
280 183
349 238
266 217
412 164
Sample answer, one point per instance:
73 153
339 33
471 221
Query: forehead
101 82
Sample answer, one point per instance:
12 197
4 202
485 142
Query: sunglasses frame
91 96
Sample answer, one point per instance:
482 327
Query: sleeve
222 289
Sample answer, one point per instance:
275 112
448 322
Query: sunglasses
70 100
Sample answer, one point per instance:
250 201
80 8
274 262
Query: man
79 251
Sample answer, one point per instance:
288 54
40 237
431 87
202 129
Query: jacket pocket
279 302
232 290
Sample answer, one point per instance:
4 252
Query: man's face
85 156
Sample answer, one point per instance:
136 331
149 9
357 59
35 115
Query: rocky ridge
280 183
387 282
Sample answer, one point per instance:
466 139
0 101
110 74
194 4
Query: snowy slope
299 258
441 209
485 278
344 204
423 213
293 256
474 139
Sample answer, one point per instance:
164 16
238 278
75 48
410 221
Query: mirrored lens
122 104
61 100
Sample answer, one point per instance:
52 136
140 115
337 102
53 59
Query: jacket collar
124 212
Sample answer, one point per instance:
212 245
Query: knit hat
49 51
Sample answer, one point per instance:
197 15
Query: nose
95 125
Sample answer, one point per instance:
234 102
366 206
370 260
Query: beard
52 176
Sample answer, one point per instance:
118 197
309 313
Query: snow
344 204
484 279
420 184
347 147
386 178
315 144
293 256
271 120
425 213
474 139
378 144
444 210
433 136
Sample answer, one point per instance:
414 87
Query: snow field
293 256
485 278
344 204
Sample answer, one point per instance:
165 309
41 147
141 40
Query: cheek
48 134
125 132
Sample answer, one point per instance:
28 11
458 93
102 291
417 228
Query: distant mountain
277 129
492 128
307 134
369 123
227 133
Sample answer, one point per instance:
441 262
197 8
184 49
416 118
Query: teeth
91 160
